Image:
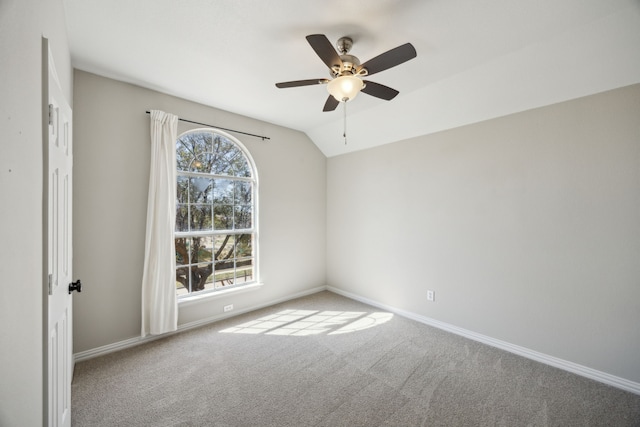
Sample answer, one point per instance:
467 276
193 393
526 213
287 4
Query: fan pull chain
344 133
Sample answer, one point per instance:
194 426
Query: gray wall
527 228
111 167
22 26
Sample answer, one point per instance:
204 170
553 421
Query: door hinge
50 280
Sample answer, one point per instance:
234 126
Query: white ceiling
477 59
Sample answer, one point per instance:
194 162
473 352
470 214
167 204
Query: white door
58 163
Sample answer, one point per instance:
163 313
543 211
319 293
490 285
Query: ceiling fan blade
331 104
323 47
389 59
379 91
297 83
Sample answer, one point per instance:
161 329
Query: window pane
198 249
182 280
242 193
242 217
224 274
224 150
182 190
203 163
201 218
190 148
232 160
182 218
209 282
182 251
241 167
222 167
184 155
244 271
223 192
200 274
201 189
244 246
224 247
236 161
223 217
204 249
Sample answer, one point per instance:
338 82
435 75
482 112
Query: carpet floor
326 360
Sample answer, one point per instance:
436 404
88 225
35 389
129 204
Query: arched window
215 213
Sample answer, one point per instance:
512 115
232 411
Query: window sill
193 299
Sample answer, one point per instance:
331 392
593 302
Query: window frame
252 231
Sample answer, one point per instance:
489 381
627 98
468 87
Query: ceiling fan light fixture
345 88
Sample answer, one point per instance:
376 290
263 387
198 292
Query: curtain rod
218 127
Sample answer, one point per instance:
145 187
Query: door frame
45 229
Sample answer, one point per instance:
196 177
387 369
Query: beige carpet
326 360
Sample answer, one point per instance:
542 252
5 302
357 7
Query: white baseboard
132 342
575 368
572 367
109 348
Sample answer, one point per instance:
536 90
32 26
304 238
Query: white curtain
159 303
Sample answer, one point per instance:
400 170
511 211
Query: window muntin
215 230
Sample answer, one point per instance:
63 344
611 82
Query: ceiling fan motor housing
350 64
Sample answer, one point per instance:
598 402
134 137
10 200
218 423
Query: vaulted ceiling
477 59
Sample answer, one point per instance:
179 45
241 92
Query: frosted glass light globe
345 88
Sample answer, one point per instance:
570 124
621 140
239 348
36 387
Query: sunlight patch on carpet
311 322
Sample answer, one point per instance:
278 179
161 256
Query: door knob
75 286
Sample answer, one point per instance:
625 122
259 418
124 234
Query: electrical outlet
227 307
431 296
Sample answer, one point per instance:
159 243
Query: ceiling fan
347 72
